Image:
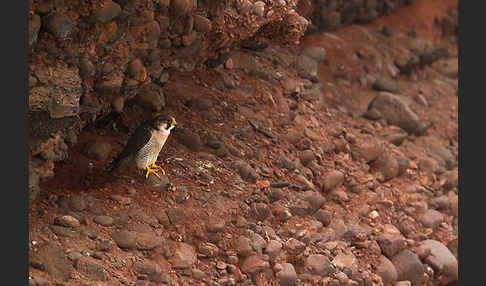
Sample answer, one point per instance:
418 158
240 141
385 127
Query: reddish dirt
80 175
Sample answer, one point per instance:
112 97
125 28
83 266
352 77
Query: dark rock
432 218
395 111
54 261
180 8
191 140
386 84
215 224
441 260
136 69
319 264
86 68
391 244
368 150
306 157
287 275
273 248
260 211
332 179
307 68
245 171
98 150
315 199
77 203
387 271
152 97
147 241
294 247
387 165
91 268
104 220
243 247
198 274
202 24
60 25
301 208
184 256
108 12
176 216
316 53
409 267
125 239
324 216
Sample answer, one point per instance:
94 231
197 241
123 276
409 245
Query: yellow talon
158 167
150 170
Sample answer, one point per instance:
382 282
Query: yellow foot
153 171
158 167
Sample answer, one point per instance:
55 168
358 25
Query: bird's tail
115 164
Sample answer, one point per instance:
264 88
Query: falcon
145 144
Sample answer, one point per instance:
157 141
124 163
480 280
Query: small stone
391 244
346 260
324 216
403 283
409 267
184 256
245 171
432 218
104 220
319 264
307 68
151 96
294 246
61 231
67 221
387 271
147 241
198 274
441 260
332 179
258 8
125 239
208 249
54 261
191 140
396 111
386 84
215 224
180 8
176 216
273 248
287 275
316 53
368 150
202 24
99 150
60 25
260 211
306 157
108 12
243 246
254 264
92 269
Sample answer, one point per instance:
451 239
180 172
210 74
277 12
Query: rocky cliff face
88 58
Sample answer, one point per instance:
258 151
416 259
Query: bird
145 144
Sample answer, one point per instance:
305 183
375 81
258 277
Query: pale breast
148 154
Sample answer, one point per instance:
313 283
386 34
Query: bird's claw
150 170
158 167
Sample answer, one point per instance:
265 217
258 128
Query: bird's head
164 122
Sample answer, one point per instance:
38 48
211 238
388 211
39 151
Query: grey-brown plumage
145 144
